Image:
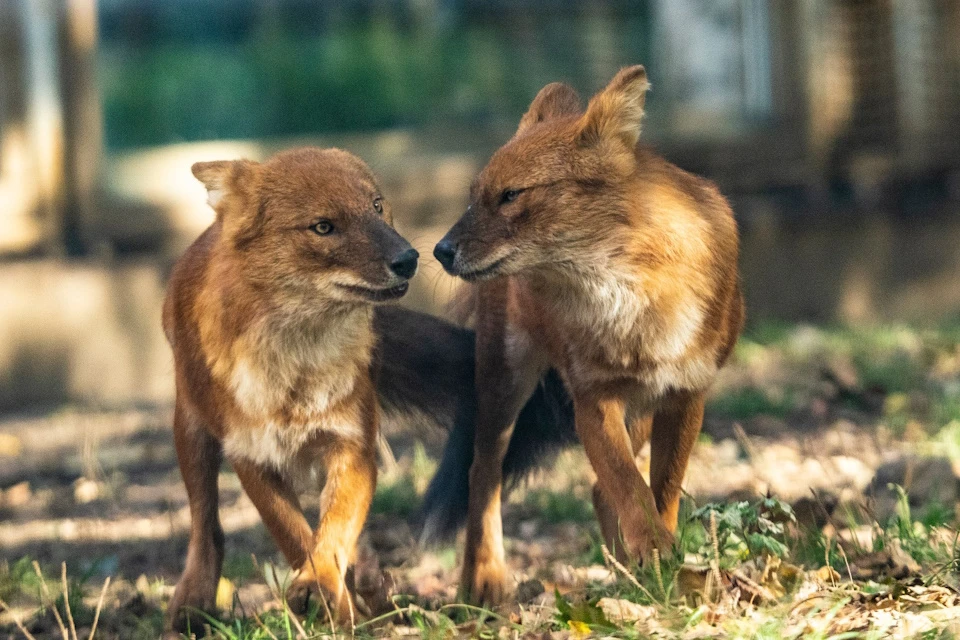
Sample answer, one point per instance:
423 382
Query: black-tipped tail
544 427
426 370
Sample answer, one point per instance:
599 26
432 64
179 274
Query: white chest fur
287 380
615 325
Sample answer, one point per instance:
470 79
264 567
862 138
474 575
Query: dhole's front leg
639 432
675 429
508 369
601 428
351 472
280 510
275 499
199 455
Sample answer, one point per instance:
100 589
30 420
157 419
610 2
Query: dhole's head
555 190
309 221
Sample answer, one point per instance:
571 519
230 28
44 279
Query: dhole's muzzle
472 251
399 259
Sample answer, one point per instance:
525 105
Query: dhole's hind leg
351 472
199 455
639 431
675 429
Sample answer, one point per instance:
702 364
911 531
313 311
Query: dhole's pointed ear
221 177
616 111
232 192
554 100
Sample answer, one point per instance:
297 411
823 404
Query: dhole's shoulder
186 278
702 193
658 169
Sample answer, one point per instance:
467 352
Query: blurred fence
834 125
829 101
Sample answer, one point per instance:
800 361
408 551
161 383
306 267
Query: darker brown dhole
594 257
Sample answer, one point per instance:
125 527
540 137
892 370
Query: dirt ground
100 490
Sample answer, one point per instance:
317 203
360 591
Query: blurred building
834 125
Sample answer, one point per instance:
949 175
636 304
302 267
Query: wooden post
45 114
83 127
50 126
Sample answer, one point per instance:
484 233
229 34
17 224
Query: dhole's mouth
486 272
377 295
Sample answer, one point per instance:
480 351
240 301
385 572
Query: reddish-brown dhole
595 258
270 317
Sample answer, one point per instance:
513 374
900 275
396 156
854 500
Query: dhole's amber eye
378 204
322 228
509 195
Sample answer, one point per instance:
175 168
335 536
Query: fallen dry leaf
625 612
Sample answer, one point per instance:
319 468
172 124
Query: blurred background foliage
831 125
181 71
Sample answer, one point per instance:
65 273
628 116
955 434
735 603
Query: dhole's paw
641 544
192 598
484 583
307 591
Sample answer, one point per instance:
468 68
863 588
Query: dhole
595 258
270 318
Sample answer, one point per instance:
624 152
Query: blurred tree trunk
44 113
82 124
50 125
20 220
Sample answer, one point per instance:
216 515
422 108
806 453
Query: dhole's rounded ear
221 177
554 100
616 112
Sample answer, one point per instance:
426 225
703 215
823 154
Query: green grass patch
556 507
397 498
741 404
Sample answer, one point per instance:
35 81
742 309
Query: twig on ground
323 599
744 441
263 626
296 622
96 615
715 561
658 572
16 621
843 554
66 600
623 570
46 593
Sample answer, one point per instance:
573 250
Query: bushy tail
426 369
543 428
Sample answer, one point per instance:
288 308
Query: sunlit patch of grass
905 377
946 442
733 538
916 537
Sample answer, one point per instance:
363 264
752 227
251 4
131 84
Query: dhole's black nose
445 252
405 263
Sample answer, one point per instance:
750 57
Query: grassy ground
821 503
